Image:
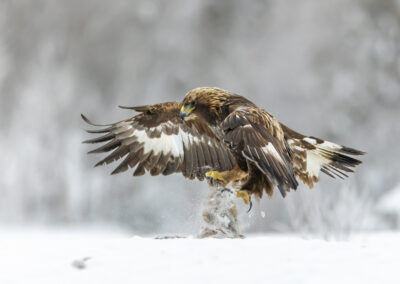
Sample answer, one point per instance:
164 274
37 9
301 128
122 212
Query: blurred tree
330 69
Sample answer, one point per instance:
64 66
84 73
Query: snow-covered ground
51 256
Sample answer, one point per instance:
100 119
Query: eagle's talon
213 177
251 205
244 194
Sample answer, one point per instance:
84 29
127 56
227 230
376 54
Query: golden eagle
223 137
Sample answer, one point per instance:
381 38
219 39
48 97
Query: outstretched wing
158 141
257 136
311 155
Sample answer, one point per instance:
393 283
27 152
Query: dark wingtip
352 151
144 108
91 123
136 108
127 107
99 164
119 170
85 118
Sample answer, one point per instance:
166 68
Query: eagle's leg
243 194
235 176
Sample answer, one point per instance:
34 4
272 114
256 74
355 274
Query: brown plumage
214 130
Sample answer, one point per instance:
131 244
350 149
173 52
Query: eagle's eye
193 103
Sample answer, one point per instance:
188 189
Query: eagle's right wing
158 141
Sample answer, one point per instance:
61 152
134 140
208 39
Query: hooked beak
185 111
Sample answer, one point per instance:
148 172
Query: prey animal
225 138
219 213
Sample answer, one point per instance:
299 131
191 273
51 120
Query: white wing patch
325 145
310 140
315 162
316 158
166 143
270 150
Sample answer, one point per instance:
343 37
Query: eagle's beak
185 111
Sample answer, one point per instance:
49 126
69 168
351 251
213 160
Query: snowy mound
48 257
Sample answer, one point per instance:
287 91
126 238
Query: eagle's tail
312 155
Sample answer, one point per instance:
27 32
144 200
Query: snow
56 256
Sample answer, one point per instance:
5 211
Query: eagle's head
206 102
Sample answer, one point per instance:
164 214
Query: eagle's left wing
258 137
158 141
311 155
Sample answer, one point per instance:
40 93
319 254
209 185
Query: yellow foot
214 177
243 194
